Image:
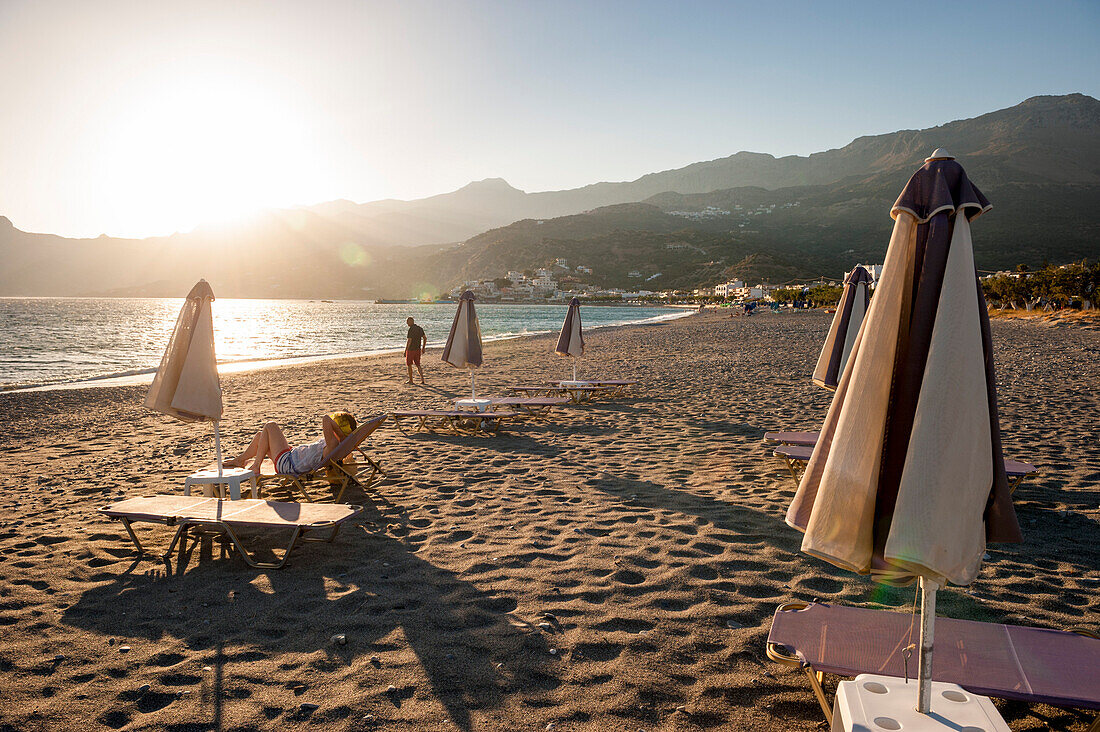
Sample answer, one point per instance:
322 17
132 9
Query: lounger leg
794 472
181 533
1012 489
261 565
133 536
815 681
377 467
302 489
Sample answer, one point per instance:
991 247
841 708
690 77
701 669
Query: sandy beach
615 568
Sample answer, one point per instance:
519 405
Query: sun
204 148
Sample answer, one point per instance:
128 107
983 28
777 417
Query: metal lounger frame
184 524
779 654
298 482
466 423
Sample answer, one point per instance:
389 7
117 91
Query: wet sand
614 568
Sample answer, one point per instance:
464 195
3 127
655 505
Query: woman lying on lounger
271 443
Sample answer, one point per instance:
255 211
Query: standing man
415 344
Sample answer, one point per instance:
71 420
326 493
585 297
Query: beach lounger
453 421
339 474
1035 665
797 455
531 407
576 394
616 387
215 514
792 438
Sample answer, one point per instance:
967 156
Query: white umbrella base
871 702
473 405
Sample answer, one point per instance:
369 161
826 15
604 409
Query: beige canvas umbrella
907 478
186 385
571 340
463 349
845 327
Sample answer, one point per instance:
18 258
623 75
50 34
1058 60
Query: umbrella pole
574 368
473 386
218 447
927 624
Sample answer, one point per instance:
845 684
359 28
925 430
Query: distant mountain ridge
1039 162
1031 142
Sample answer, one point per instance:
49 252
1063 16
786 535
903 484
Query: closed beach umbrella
842 333
907 478
571 340
463 349
186 385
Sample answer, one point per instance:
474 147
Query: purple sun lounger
798 453
186 512
1035 665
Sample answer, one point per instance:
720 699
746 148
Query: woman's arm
333 435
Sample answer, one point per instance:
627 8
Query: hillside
1042 140
1039 162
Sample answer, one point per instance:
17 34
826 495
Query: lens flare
354 255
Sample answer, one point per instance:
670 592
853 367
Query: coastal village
558 282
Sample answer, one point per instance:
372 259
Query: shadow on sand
365 585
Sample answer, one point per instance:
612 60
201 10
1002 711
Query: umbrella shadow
364 586
722 514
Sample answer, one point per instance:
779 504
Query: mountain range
749 214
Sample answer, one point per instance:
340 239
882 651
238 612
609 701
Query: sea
48 342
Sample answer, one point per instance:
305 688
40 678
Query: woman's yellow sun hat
344 421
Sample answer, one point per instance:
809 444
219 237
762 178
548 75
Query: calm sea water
46 341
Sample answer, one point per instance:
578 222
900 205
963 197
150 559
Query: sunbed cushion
1007 661
247 512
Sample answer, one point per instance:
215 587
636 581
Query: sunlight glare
205 148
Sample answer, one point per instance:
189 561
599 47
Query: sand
615 568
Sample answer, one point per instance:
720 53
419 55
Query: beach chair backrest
348 445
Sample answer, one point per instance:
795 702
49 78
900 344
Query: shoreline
145 376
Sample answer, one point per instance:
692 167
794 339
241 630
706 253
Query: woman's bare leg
268 442
240 460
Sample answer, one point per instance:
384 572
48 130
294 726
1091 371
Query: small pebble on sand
124 649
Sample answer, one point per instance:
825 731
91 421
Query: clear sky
143 117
